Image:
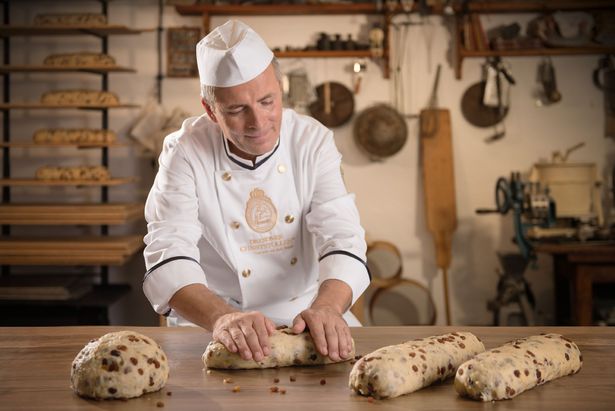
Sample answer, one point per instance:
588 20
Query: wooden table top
35 373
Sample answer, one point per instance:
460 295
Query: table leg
583 295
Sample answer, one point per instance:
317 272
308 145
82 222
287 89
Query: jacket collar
247 164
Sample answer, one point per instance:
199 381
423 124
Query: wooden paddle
439 183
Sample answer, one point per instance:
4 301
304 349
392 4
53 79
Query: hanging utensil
439 183
380 131
334 104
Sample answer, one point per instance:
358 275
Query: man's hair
209 92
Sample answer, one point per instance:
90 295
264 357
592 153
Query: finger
225 338
270 326
317 332
298 324
262 334
242 345
332 341
349 339
342 341
252 341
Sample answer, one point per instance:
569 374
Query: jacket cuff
163 280
346 267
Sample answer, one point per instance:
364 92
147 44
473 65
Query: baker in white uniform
249 222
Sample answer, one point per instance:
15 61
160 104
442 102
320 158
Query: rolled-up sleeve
334 220
173 230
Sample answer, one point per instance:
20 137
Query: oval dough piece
404 368
287 349
122 364
517 366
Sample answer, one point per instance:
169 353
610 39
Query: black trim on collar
257 164
168 260
349 255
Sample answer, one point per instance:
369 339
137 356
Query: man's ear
209 111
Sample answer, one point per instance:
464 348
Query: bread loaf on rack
70 19
80 97
83 59
96 173
74 136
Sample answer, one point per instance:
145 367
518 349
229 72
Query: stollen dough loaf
80 97
73 136
287 349
122 364
73 173
70 19
517 366
404 368
83 59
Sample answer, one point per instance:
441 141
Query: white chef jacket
261 235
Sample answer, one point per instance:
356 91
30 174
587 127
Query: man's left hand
328 329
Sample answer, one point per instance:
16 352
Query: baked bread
80 97
96 173
404 368
79 60
73 136
517 366
70 19
122 364
287 349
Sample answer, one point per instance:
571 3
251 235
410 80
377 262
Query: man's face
250 114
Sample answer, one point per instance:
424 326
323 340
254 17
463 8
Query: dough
79 60
404 368
518 366
70 19
287 349
122 364
73 173
80 97
73 136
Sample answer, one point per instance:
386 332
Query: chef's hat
231 54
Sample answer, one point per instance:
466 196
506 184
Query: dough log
404 368
518 366
287 349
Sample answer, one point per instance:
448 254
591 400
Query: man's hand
246 333
329 331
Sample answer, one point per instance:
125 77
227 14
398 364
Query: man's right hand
246 333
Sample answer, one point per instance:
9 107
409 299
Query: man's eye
267 102
235 111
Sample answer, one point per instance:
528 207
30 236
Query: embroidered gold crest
261 214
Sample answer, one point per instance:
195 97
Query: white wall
388 193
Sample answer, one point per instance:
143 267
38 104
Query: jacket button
281 169
235 225
246 273
289 218
226 176
293 261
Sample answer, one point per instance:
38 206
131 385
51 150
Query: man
249 223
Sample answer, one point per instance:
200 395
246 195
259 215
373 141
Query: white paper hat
231 54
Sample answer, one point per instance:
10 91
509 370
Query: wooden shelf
34 182
208 10
277 9
37 106
324 54
100 31
32 144
100 296
536 6
70 214
69 251
5 69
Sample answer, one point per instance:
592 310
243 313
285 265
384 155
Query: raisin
115 353
293 378
140 371
273 389
276 380
169 393
112 390
526 372
517 374
134 361
151 381
462 345
313 357
567 357
323 381
412 355
282 391
122 347
160 404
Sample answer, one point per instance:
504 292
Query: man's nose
256 119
